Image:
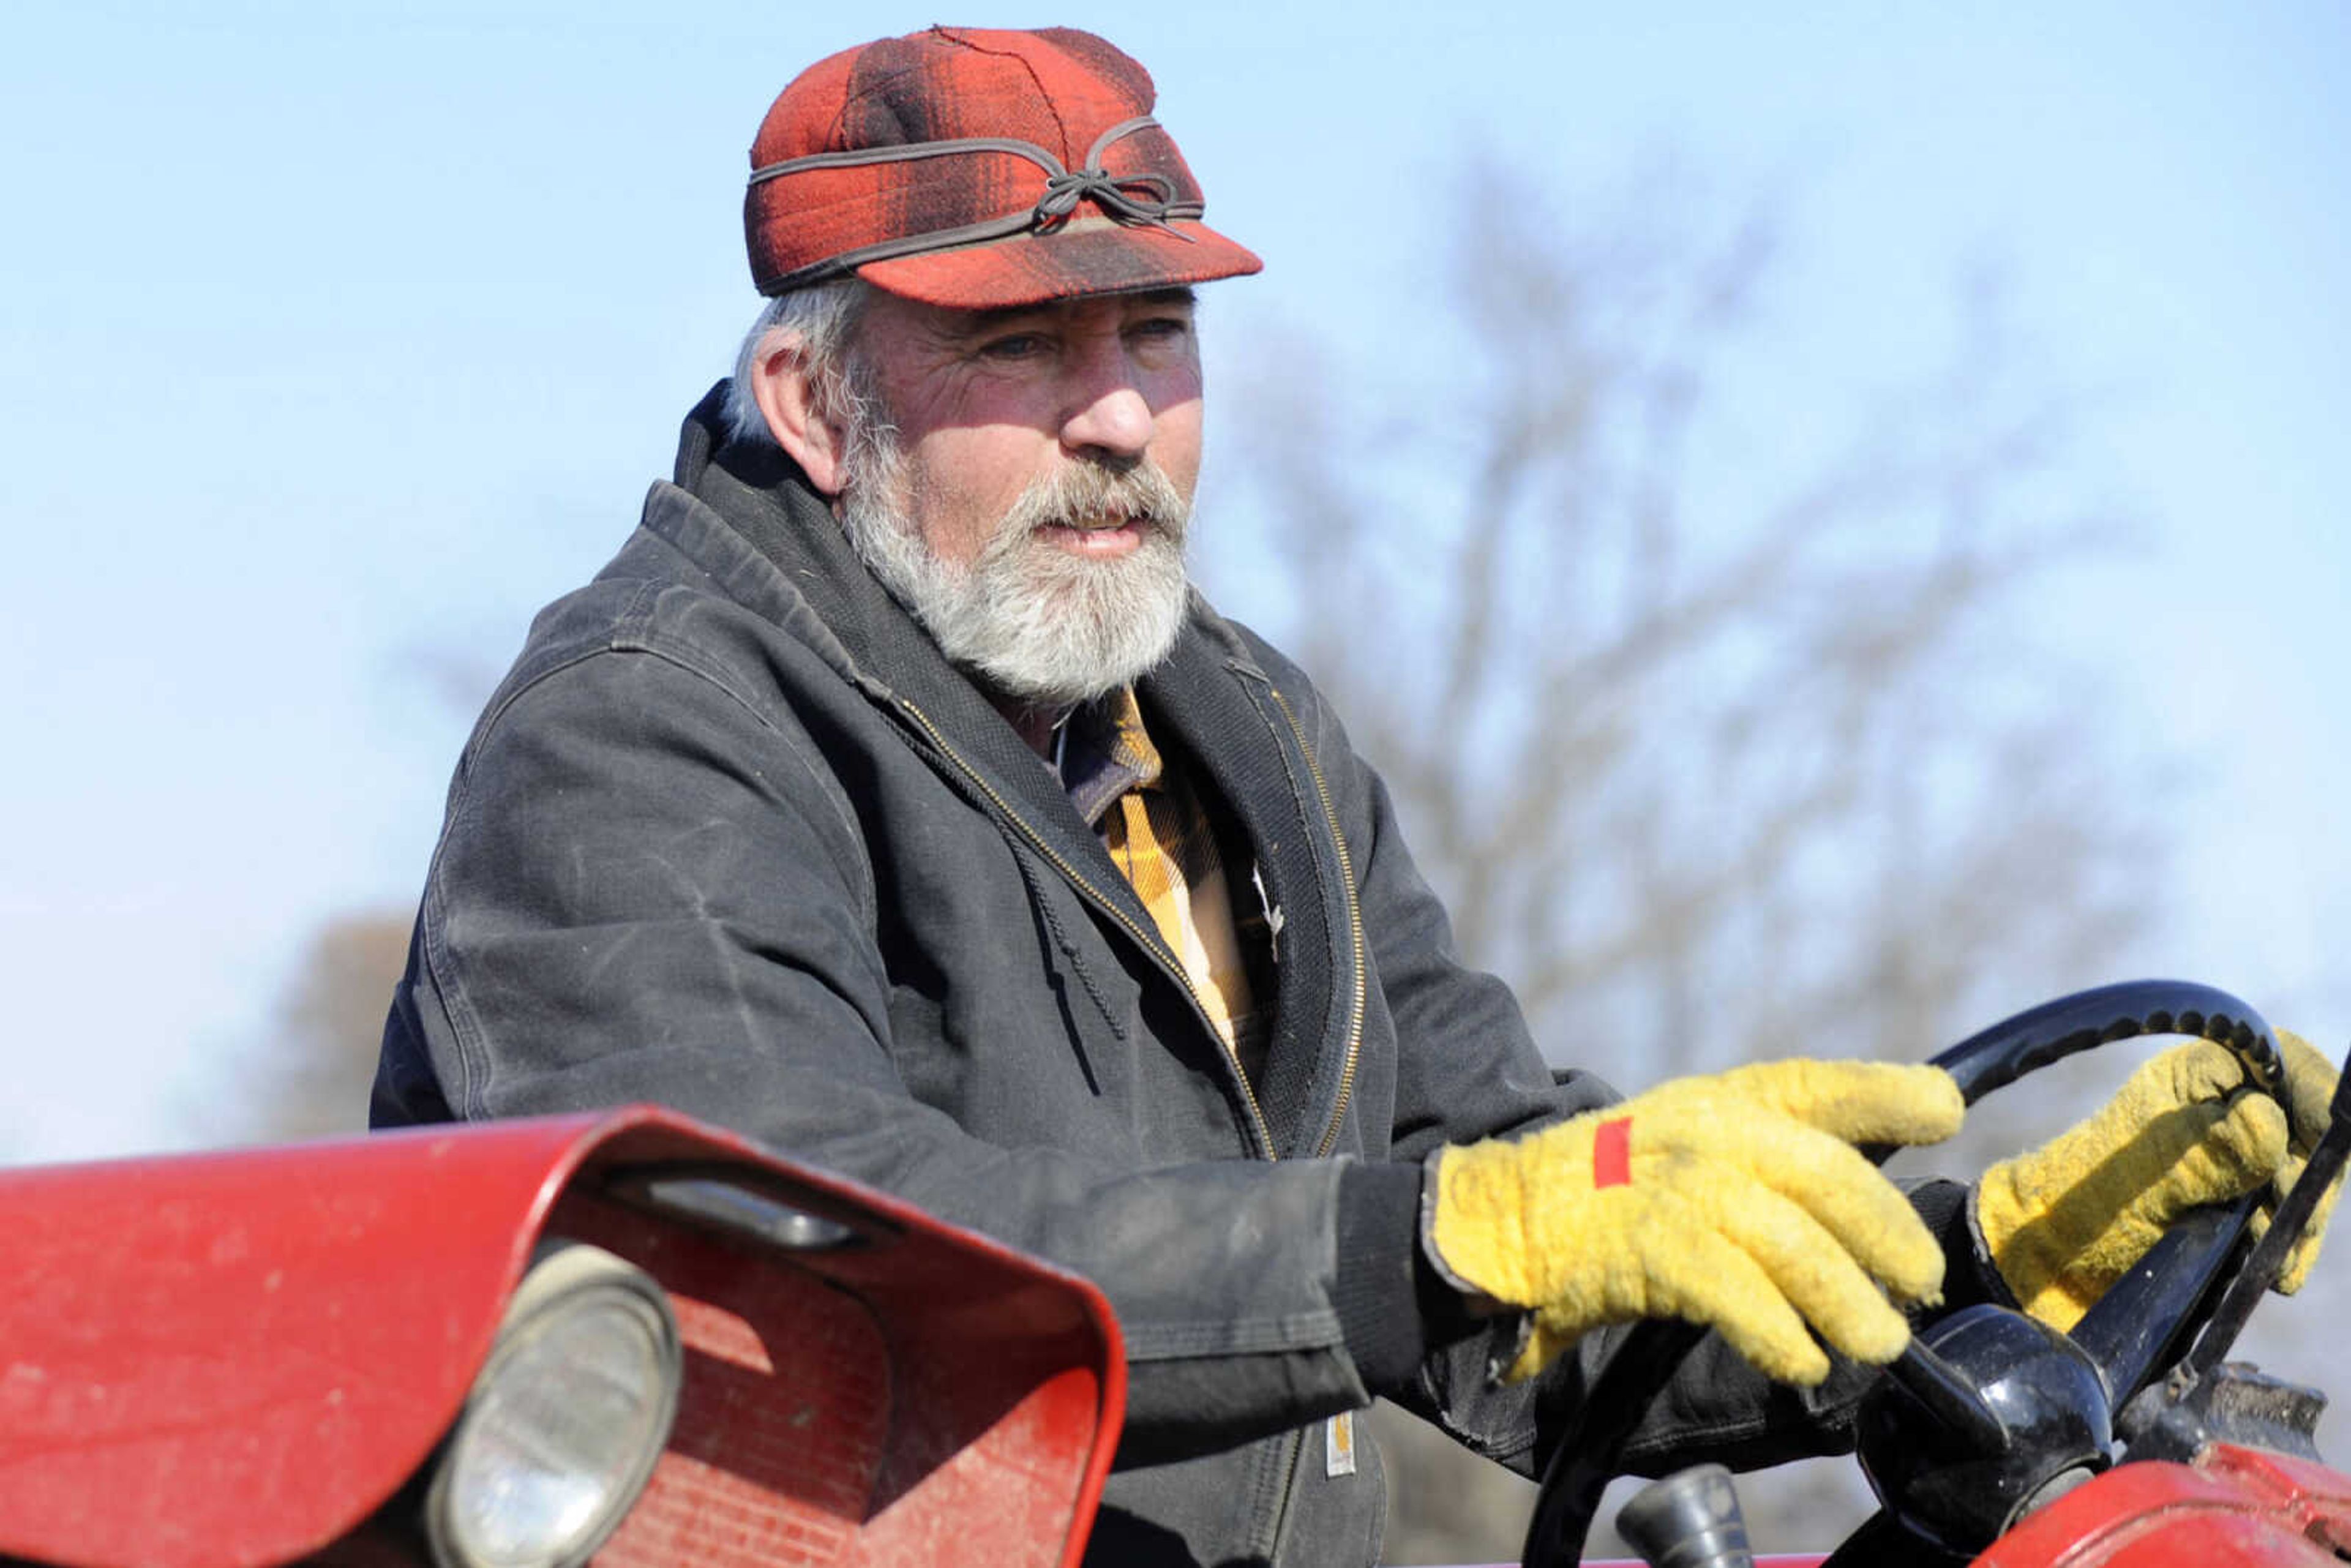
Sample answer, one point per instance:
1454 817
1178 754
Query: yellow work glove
1737 1201
2065 1221
2310 1085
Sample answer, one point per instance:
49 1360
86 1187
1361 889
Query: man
891 799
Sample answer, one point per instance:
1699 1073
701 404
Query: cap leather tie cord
1107 190
2065 1221
1064 191
1735 1201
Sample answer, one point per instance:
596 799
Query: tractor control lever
1690 1519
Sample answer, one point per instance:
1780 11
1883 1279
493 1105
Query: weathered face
988 403
1031 502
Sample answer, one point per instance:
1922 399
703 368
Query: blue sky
334 339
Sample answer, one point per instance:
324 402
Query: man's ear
782 387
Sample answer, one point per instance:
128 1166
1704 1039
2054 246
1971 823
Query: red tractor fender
238 1357
2233 1505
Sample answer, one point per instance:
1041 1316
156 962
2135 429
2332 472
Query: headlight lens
564 1423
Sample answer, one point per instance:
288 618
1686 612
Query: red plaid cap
975 168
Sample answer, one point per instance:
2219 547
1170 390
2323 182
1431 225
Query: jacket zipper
1294 1454
1152 942
1354 929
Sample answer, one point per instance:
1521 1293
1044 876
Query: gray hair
823 320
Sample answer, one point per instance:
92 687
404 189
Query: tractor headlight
565 1422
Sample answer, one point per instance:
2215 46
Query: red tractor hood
237 1357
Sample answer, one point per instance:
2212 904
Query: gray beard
1031 619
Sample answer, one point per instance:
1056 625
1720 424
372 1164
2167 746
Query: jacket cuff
1969 1276
1393 1307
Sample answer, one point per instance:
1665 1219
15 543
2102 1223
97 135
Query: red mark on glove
1612 1154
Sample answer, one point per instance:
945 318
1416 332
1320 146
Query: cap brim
1091 256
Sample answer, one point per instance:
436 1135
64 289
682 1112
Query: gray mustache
1079 496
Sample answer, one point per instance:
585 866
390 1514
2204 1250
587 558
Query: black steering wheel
2128 1334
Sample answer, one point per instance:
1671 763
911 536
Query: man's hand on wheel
2310 1085
2065 1221
1736 1200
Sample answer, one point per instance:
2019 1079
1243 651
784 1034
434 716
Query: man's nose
1107 414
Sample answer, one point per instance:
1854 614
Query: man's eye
1163 328
1013 346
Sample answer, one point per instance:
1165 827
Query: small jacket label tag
1339 1445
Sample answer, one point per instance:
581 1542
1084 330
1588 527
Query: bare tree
1719 742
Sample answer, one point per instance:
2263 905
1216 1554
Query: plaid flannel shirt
1164 835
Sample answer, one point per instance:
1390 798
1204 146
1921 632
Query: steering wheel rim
1585 1457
